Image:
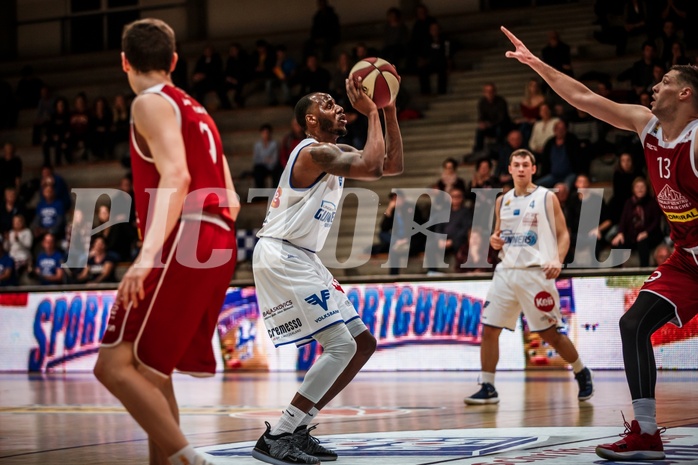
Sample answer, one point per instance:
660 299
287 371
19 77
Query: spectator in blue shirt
8 277
265 158
48 263
50 214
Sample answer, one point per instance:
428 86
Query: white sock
646 414
289 421
309 416
184 457
578 365
486 377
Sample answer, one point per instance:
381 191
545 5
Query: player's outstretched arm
628 117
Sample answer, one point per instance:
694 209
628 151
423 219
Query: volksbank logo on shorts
518 239
285 328
326 315
321 300
326 213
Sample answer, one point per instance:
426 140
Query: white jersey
303 216
529 236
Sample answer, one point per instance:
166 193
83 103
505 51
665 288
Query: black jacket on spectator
573 149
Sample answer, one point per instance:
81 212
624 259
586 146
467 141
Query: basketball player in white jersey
298 297
531 234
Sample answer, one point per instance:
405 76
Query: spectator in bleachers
556 53
126 186
458 224
482 178
640 74
561 159
639 227
28 88
121 122
662 253
596 232
325 32
50 177
592 137
338 88
101 264
283 72
385 234
262 67
449 177
666 38
100 130
18 243
434 58
289 142
10 167
313 77
678 55
48 262
529 107
44 111
58 135
119 237
79 143
492 117
180 75
420 37
77 238
265 158
543 130
514 141
9 111
50 214
470 252
646 100
623 177
236 72
10 207
635 23
8 275
394 224
395 38
208 77
676 11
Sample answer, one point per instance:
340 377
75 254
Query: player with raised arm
298 297
168 302
531 234
668 134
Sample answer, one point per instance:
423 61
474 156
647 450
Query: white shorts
297 295
516 290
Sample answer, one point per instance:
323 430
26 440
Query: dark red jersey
204 152
674 177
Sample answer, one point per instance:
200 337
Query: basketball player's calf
568 352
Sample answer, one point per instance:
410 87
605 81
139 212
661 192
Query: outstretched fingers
521 50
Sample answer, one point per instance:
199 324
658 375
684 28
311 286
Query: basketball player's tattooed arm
344 160
623 116
394 160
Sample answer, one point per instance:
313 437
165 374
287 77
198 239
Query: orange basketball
380 81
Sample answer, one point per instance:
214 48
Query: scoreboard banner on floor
418 326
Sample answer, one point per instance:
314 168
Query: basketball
380 81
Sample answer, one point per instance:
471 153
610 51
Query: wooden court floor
71 419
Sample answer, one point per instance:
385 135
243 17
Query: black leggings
649 313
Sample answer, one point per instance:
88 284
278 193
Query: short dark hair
688 75
452 161
265 126
302 108
482 160
523 153
149 45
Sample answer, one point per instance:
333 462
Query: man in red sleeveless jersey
168 302
668 132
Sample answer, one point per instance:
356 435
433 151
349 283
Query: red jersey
204 152
674 177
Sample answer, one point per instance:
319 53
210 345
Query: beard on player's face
329 125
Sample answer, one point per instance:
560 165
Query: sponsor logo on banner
320 300
544 301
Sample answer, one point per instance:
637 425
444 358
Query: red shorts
173 325
675 280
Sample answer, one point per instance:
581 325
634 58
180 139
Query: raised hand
521 53
358 98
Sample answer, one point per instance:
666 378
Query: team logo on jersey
544 301
276 201
517 212
278 309
651 147
326 213
290 327
672 200
320 300
682 217
529 238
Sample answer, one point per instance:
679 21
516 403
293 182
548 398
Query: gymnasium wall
430 325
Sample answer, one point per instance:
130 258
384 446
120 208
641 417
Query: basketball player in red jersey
668 133
168 302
